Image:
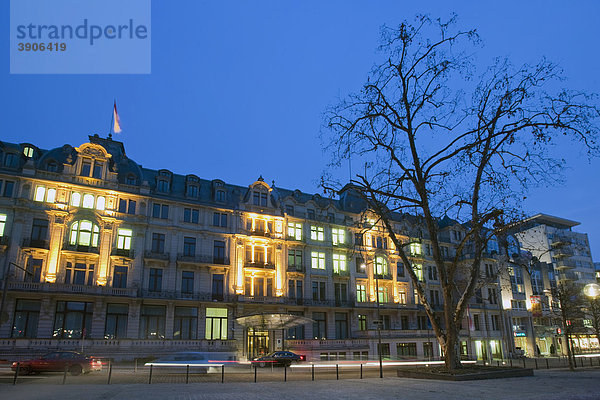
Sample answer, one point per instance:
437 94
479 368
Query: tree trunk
568 343
451 353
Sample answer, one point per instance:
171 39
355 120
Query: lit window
317 233
295 230
317 260
418 269
339 263
84 233
51 196
337 236
100 203
2 223
40 193
278 226
75 199
88 201
415 249
28 151
124 239
361 293
216 324
381 266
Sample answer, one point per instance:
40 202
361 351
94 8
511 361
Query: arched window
28 151
100 203
75 199
84 233
130 180
260 197
381 266
88 201
52 166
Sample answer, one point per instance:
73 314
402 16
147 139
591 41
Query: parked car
280 358
58 361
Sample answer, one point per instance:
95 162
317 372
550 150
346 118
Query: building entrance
258 343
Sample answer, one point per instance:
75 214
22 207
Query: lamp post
592 292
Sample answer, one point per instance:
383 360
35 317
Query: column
57 232
279 273
105 249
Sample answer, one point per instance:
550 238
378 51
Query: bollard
222 373
361 370
135 365
16 373
285 373
547 365
187 374
150 375
581 361
255 374
337 372
523 363
109 371
591 362
536 366
313 372
65 375
511 362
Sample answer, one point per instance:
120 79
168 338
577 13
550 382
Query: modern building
102 255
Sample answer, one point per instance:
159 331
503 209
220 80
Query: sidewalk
546 385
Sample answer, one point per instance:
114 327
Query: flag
116 120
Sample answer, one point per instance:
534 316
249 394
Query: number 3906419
42 46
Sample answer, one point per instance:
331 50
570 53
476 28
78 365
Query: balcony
259 265
69 288
260 299
81 248
202 259
151 255
563 252
387 276
565 265
341 274
36 243
295 268
561 240
127 253
395 333
567 276
315 344
179 295
259 232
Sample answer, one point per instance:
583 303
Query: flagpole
112 117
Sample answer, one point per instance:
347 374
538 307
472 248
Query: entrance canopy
271 321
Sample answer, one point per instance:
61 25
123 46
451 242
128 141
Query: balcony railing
81 248
295 268
261 299
328 344
128 253
151 255
387 276
566 264
259 264
69 288
568 276
341 273
202 259
36 243
179 295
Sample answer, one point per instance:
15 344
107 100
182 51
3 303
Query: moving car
281 358
200 361
58 361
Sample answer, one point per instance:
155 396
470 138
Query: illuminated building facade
123 261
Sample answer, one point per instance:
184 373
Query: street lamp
591 290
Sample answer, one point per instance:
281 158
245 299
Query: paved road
546 385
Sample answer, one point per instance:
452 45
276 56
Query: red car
58 361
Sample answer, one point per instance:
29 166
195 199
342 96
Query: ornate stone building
104 255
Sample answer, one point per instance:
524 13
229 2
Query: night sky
238 88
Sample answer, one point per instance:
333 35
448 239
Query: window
260 198
415 249
317 233
295 230
130 180
28 151
381 266
432 272
79 274
341 325
155 280
423 322
220 196
187 281
41 195
340 291
358 239
189 246
362 322
192 191
296 333
84 233
216 324
162 186
185 323
98 165
384 350
220 219
124 238
289 210
219 252
318 291
39 231
116 321
383 294
75 199
127 206
33 270
295 289
495 319
399 270
361 268
310 214
8 188
86 167
406 349
120 277
379 242
10 160
476 324
489 271
339 263
25 320
361 292
518 304
317 260
158 243
492 296
402 299
338 236
52 166
404 322
319 325
73 320
191 215
434 297
295 259
88 201
418 269
152 322
160 211
218 286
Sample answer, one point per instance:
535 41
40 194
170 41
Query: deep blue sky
238 88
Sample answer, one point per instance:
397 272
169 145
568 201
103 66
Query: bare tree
570 310
436 141
592 307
